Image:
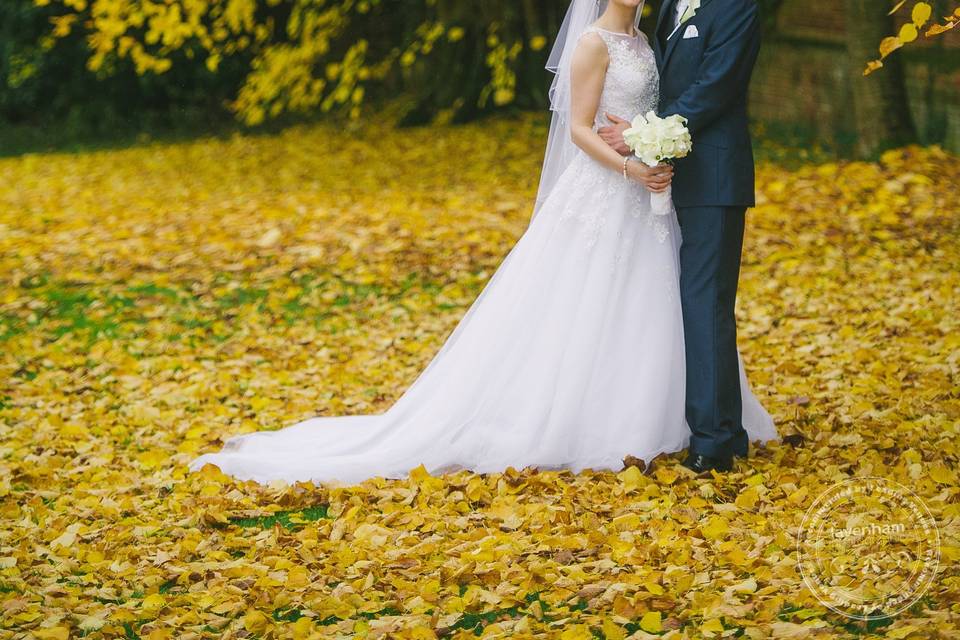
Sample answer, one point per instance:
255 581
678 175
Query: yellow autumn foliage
296 59
159 299
919 16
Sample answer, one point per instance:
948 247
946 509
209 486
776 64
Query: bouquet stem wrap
661 203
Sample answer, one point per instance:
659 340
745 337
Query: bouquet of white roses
655 140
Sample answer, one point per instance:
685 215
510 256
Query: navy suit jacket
705 79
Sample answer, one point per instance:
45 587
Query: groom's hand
613 135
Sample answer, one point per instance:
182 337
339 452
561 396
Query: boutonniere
691 11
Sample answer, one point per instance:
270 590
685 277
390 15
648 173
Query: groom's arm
725 70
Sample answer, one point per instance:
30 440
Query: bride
572 356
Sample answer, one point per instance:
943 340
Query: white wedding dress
571 357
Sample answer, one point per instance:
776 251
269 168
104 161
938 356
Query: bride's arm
587 73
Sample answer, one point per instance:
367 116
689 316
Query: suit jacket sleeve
734 41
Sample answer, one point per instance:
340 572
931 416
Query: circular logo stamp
868 548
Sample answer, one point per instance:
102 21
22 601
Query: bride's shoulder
591 52
591 33
592 41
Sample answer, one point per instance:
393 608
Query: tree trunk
881 111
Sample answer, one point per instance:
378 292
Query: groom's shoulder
745 9
736 5
746 5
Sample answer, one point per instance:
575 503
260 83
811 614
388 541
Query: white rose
646 153
652 138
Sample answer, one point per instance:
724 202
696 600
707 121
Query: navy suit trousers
709 270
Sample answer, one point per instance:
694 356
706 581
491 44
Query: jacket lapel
678 35
662 29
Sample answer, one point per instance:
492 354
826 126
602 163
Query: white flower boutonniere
691 11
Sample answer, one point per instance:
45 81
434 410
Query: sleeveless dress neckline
635 34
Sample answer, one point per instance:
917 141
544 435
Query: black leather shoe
699 463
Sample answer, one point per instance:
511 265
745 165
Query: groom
705 52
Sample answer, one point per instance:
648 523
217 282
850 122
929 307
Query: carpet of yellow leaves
156 300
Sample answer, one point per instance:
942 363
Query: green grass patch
285 519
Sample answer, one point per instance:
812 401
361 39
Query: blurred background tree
104 65
880 109
44 79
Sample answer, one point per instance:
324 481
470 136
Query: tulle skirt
570 358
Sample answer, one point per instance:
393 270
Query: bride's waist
624 113
601 121
587 167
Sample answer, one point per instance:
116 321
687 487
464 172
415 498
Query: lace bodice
632 82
